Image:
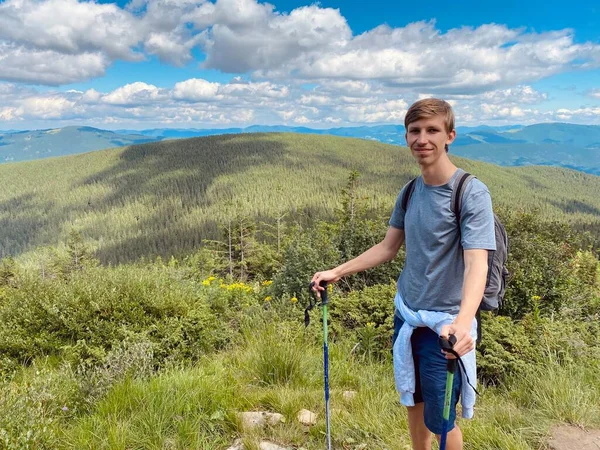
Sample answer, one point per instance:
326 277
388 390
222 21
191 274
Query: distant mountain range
38 144
554 144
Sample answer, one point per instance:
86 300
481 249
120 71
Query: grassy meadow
168 360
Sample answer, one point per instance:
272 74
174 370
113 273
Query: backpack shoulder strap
408 193
458 189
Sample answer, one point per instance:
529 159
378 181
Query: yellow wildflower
205 283
267 283
294 300
268 298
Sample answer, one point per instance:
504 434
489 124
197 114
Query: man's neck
438 174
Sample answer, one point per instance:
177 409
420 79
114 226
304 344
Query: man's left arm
476 267
477 237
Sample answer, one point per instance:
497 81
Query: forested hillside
166 198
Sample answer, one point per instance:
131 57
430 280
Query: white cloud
315 100
134 94
248 36
286 115
518 94
91 96
240 88
350 88
462 60
195 90
570 114
9 114
19 63
386 111
39 107
302 120
47 107
173 47
504 112
197 102
56 42
70 27
594 93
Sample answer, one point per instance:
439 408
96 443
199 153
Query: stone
306 417
349 395
266 445
258 419
237 445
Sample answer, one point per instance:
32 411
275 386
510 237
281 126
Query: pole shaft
447 401
326 372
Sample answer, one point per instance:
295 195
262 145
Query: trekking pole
447 344
324 301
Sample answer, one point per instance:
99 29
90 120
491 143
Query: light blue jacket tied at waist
404 366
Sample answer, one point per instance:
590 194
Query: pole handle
324 295
447 344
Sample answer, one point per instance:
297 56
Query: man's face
427 139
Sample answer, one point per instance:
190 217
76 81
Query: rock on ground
306 417
266 445
258 419
237 445
349 395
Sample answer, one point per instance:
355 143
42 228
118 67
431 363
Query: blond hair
429 107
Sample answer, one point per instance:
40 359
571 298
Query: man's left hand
464 342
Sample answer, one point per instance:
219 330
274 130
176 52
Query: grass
276 366
279 369
567 394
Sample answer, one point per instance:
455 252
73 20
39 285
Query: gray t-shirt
433 273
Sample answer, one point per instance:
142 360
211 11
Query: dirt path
566 437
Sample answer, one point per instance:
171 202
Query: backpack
495 284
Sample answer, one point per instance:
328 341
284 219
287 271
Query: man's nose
422 139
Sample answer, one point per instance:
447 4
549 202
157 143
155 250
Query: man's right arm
382 252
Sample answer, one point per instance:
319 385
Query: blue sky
223 63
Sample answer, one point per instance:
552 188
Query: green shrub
369 315
100 308
511 347
546 262
306 253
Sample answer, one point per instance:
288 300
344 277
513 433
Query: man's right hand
330 276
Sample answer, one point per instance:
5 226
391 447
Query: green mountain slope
164 198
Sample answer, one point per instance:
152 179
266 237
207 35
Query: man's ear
451 137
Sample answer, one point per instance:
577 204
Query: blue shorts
430 376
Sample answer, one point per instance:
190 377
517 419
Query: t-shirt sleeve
477 218
397 218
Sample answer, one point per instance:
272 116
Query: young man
444 273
